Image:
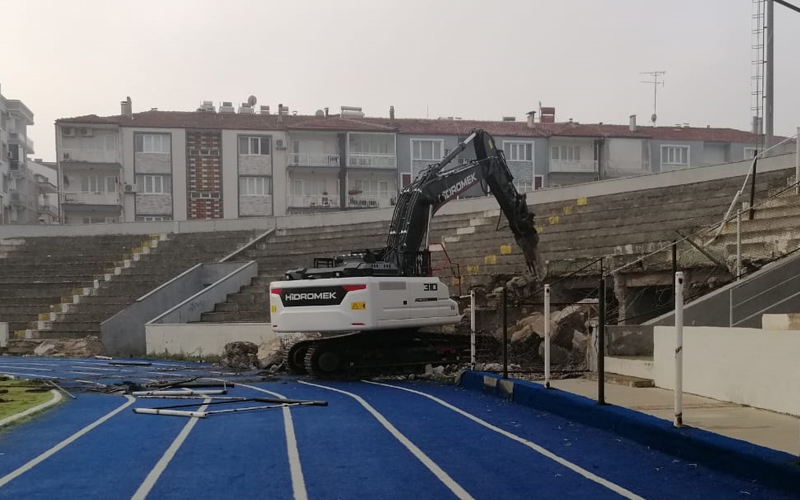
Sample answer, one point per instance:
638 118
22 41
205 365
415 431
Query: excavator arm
436 186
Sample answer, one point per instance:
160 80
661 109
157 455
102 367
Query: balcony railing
361 201
313 201
313 160
91 198
48 208
89 155
587 166
372 160
21 139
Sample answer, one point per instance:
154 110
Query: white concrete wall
754 367
625 155
203 339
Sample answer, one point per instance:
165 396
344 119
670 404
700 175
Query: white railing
48 208
372 160
314 201
313 160
361 201
92 198
89 155
573 166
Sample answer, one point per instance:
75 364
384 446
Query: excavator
372 307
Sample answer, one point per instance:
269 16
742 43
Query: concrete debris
241 356
558 355
85 347
270 353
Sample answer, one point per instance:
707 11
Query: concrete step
632 366
614 378
236 317
74 326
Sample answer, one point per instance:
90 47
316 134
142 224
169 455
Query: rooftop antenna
252 101
655 82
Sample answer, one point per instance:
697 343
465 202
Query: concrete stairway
41 274
168 258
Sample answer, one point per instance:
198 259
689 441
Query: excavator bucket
529 243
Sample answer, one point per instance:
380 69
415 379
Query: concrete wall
624 156
743 365
124 333
219 280
3 334
203 339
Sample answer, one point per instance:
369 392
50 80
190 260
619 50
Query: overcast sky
468 58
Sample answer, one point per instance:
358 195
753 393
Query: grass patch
17 397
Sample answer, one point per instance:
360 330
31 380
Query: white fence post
547 336
738 244
797 163
678 349
472 328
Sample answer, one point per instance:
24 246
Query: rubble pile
241 356
69 348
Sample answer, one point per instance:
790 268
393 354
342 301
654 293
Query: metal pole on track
505 332
472 328
547 336
797 163
678 422
601 339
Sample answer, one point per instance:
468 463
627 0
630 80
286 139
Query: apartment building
247 162
24 186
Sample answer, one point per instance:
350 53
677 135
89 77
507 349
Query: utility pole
655 82
769 88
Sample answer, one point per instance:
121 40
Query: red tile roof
408 126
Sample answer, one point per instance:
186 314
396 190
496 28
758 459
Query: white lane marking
298 481
537 448
55 399
161 465
31 375
51 370
63 444
440 474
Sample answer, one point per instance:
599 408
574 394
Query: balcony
47 209
573 166
19 200
99 198
313 160
314 201
22 140
366 160
362 201
80 155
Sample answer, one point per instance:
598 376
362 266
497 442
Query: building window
750 153
427 150
100 220
405 179
527 186
308 187
152 143
675 155
373 189
253 145
254 186
565 154
153 184
518 151
98 184
153 218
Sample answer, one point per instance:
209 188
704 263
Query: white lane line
298 481
440 474
537 448
21 374
63 444
161 465
55 399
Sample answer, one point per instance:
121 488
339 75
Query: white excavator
372 307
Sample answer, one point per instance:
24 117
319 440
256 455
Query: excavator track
378 353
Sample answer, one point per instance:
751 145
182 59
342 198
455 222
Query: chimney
326 112
391 112
126 107
531 119
632 123
547 115
280 113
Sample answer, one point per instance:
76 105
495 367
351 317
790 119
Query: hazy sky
475 59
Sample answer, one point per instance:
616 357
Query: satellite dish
319 112
252 100
653 118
